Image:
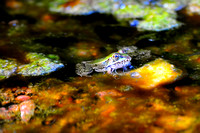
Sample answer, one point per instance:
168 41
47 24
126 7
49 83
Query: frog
108 64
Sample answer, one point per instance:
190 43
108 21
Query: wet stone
116 97
155 17
152 74
175 122
4 114
6 98
13 108
158 19
39 65
174 4
135 75
7 68
27 109
22 98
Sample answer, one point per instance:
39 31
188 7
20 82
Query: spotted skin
111 63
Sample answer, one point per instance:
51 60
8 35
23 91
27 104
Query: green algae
152 18
7 68
17 30
133 108
171 5
130 11
39 65
53 57
158 19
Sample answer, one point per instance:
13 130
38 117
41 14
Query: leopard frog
109 64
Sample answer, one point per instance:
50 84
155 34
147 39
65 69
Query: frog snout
129 58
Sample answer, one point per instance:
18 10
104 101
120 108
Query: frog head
118 60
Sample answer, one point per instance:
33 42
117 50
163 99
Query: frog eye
116 56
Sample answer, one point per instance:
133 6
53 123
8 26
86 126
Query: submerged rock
175 122
14 108
4 114
152 74
22 98
39 65
27 109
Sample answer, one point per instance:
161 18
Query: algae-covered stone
174 4
158 19
39 65
155 17
87 7
7 68
84 7
130 11
77 7
152 74
107 6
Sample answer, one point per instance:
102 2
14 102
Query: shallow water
62 101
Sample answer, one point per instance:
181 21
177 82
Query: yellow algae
175 122
151 75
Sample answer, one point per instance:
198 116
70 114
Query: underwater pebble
6 98
22 98
13 108
4 114
49 121
135 75
174 122
29 91
152 74
27 109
